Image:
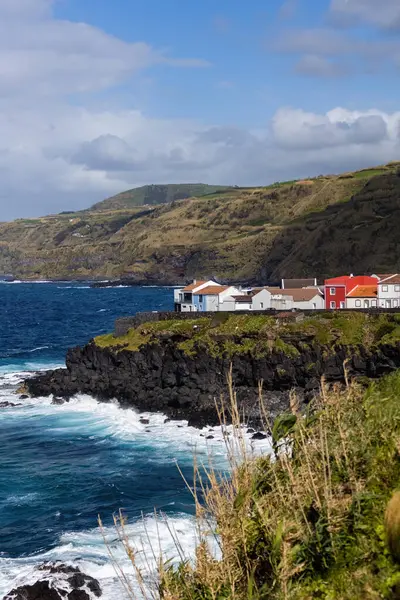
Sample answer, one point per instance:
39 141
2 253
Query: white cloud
385 13
297 129
55 155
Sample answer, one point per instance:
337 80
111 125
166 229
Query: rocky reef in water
181 368
56 581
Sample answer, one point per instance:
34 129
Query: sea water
61 467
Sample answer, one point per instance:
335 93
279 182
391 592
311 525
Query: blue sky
98 96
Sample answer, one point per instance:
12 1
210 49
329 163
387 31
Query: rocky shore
56 581
161 377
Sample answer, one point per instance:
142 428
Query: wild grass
320 518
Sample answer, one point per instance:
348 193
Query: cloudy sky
97 96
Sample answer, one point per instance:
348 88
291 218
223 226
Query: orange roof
211 290
364 291
193 286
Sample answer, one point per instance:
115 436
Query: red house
337 288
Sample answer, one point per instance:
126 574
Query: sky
97 97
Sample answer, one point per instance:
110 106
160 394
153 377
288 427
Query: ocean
63 466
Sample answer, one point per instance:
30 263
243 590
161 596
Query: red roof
350 282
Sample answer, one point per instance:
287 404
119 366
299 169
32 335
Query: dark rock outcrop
57 582
161 377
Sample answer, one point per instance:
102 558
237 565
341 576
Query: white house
261 299
213 298
243 302
183 297
307 299
389 291
362 296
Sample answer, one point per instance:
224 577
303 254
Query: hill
156 194
316 227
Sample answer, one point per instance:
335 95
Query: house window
261 304
385 288
333 304
333 291
358 303
343 304
397 288
200 299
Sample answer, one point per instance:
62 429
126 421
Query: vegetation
314 227
259 335
308 522
157 194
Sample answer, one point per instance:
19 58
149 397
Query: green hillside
156 194
315 227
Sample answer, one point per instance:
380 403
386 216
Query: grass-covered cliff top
227 334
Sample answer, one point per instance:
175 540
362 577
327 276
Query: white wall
389 295
244 305
262 300
282 302
361 302
210 303
316 303
227 304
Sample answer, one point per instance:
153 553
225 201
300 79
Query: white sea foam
88 551
174 440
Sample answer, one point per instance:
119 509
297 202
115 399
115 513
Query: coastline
181 368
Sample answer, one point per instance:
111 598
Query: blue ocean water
62 466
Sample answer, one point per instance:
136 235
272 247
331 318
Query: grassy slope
298 228
156 194
311 523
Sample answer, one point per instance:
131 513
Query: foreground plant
307 521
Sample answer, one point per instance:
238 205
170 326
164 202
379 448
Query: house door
388 304
366 303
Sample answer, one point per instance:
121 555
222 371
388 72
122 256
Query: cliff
315 227
180 367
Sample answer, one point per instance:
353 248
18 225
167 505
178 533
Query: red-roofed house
338 288
214 298
183 297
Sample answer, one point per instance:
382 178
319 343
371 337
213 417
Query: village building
307 299
292 284
213 298
389 291
363 296
338 288
288 299
183 297
243 302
